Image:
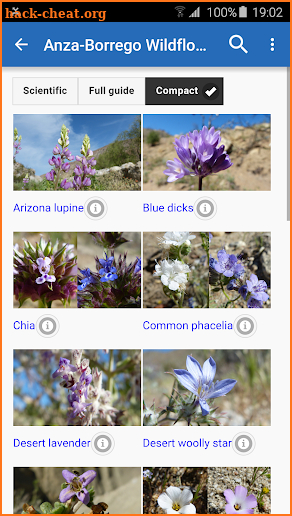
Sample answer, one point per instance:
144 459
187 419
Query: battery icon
243 12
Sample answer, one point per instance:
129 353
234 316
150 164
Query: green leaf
46 508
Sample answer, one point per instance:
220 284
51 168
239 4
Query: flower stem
232 301
110 370
222 288
200 183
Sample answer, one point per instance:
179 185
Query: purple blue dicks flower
204 157
65 368
200 381
76 486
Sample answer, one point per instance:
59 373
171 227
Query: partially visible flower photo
239 490
174 490
78 490
45 270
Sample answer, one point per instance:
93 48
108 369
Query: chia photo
210 388
77 152
207 152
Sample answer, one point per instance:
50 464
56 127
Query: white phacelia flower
173 274
176 238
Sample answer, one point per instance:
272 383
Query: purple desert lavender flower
200 381
44 273
238 502
76 486
199 153
65 368
57 161
227 264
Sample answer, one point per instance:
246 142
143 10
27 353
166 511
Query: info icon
102 443
95 208
205 208
243 443
245 326
47 326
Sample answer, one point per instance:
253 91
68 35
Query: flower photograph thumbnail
206 152
175 273
45 270
77 152
77 387
240 270
206 387
91 490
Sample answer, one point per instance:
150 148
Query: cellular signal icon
196 13
180 9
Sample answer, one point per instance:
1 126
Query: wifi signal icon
180 9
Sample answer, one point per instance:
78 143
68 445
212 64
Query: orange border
1 222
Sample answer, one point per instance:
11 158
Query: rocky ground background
249 150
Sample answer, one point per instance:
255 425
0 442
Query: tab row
118 91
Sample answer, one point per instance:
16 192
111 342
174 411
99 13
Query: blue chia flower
227 264
200 382
107 271
137 266
83 282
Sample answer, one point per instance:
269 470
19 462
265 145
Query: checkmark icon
211 91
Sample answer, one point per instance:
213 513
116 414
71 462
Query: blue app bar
146 44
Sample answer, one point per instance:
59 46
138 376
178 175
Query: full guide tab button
184 91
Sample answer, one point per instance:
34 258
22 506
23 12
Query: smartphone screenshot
145 174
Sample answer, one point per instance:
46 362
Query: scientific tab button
243 443
47 326
95 208
245 326
102 443
205 208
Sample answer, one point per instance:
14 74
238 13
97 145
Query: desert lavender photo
77 388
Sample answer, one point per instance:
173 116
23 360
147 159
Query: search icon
236 47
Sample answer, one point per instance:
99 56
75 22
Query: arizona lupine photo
90 490
206 152
109 266
77 152
239 490
45 270
240 270
222 387
175 490
77 388
175 269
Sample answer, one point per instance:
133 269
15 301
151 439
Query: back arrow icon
18 44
